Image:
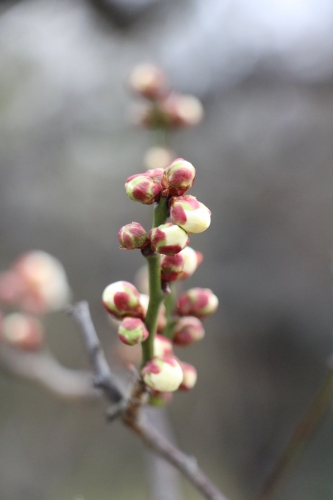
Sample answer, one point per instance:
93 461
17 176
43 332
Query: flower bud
188 330
178 177
132 236
163 374
158 157
22 331
162 346
188 213
122 299
168 239
189 376
142 188
181 110
12 287
132 331
160 399
148 80
198 302
156 174
192 259
161 318
172 266
44 282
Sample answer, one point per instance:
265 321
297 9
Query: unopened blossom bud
142 188
168 239
172 266
132 331
44 281
158 157
162 346
132 236
189 214
181 110
189 376
160 399
192 259
198 302
161 318
163 374
122 299
148 80
22 331
188 330
156 174
178 177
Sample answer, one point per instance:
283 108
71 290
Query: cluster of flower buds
164 108
34 285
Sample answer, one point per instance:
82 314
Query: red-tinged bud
188 330
198 302
163 374
192 259
162 346
148 80
132 331
143 189
160 399
156 174
158 157
168 239
189 376
188 213
132 236
178 177
44 280
22 331
161 318
181 110
122 299
172 266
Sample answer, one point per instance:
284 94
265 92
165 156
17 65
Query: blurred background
263 154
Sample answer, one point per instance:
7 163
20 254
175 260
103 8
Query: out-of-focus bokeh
264 159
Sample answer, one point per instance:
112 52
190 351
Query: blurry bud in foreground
122 299
192 259
188 330
22 331
189 376
148 80
141 280
44 281
188 213
198 302
168 239
163 374
132 331
160 399
143 189
11 287
162 346
178 177
132 236
158 157
172 266
161 318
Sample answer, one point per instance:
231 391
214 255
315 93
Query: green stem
169 302
156 295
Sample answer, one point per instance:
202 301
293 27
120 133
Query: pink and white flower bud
162 346
172 266
132 236
132 331
163 374
143 189
192 259
158 157
178 177
160 399
44 281
188 213
148 80
168 239
22 331
181 110
156 174
189 376
188 330
122 299
161 318
198 302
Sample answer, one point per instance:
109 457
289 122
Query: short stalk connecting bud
198 302
143 189
188 330
168 239
178 177
132 236
132 331
188 213
163 374
122 299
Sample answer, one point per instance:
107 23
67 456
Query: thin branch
131 414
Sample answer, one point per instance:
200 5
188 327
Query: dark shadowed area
264 156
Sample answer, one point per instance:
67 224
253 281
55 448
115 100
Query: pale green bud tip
163 374
168 239
190 214
122 299
132 331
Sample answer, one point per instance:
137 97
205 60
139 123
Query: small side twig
131 413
